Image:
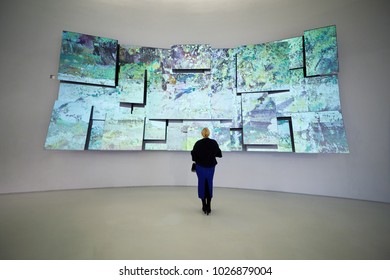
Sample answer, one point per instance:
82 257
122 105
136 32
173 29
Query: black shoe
208 206
204 206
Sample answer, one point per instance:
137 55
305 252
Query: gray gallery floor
167 223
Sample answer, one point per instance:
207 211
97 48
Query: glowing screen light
280 96
263 67
321 51
68 126
87 59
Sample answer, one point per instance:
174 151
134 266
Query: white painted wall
29 52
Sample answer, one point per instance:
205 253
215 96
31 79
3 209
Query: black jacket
205 151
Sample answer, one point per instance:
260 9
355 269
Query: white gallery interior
30 48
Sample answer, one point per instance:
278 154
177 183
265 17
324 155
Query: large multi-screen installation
280 96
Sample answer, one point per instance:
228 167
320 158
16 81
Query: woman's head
205 132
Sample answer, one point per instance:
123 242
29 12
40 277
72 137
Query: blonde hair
205 132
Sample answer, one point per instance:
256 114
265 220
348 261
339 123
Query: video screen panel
259 119
263 67
311 94
323 93
321 51
319 132
87 59
68 126
176 136
131 86
123 133
155 130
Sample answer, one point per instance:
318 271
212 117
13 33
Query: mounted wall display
280 96
88 59
321 51
68 127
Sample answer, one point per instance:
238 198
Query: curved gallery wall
28 96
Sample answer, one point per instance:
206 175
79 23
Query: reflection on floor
167 223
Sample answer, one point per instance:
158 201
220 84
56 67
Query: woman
203 154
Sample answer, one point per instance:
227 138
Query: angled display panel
176 137
286 141
131 86
123 132
87 59
321 51
155 130
321 132
68 126
259 119
323 93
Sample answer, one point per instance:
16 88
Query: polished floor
160 223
